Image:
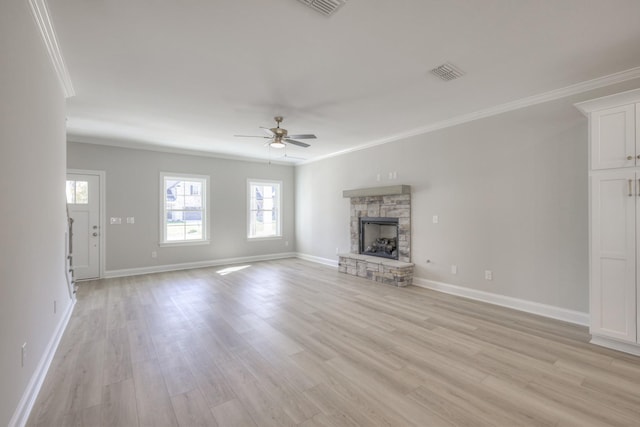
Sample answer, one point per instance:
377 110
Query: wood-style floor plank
292 343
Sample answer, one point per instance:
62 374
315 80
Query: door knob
95 234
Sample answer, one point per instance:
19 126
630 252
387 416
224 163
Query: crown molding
609 101
552 95
43 20
131 144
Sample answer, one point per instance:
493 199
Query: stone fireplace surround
391 202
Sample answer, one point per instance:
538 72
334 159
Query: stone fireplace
380 235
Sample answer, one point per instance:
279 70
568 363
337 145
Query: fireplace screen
379 237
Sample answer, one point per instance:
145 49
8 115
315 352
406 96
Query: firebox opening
379 237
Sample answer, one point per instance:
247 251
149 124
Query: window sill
184 243
261 239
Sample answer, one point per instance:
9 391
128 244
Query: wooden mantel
378 191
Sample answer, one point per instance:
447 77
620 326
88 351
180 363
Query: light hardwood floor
292 343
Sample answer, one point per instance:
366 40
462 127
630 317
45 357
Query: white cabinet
615 208
613 138
614 220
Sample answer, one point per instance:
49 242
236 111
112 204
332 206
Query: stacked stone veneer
393 206
382 202
378 269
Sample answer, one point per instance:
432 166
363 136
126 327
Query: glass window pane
184 207
264 205
82 192
71 191
193 230
175 226
193 188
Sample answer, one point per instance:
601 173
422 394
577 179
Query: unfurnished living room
319 213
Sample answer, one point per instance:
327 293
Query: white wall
510 192
32 205
132 189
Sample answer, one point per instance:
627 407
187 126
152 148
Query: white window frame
163 212
277 236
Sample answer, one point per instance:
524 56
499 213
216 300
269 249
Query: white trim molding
198 264
552 95
318 260
40 13
616 345
559 313
609 101
22 412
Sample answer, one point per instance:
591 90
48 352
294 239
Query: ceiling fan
280 137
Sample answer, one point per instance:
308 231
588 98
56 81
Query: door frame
101 213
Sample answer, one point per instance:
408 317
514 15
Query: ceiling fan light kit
280 136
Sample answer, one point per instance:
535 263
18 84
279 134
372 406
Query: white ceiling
189 74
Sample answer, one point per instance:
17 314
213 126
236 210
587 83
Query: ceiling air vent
326 7
447 72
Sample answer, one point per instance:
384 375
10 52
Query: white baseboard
616 345
22 412
190 265
317 259
545 310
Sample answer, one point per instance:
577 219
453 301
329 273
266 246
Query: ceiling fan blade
294 142
303 136
251 136
268 131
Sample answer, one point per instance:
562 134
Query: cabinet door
613 139
614 200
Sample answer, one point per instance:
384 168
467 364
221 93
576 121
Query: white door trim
103 210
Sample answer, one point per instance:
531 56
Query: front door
83 200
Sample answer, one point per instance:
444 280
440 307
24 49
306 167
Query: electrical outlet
488 275
436 219
286 243
454 269
131 220
23 354
337 251
154 254
114 220
378 177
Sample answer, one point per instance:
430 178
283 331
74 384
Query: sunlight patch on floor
230 270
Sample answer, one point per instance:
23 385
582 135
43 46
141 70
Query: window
264 209
77 192
184 209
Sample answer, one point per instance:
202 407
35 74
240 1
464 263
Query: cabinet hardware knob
630 187
629 157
